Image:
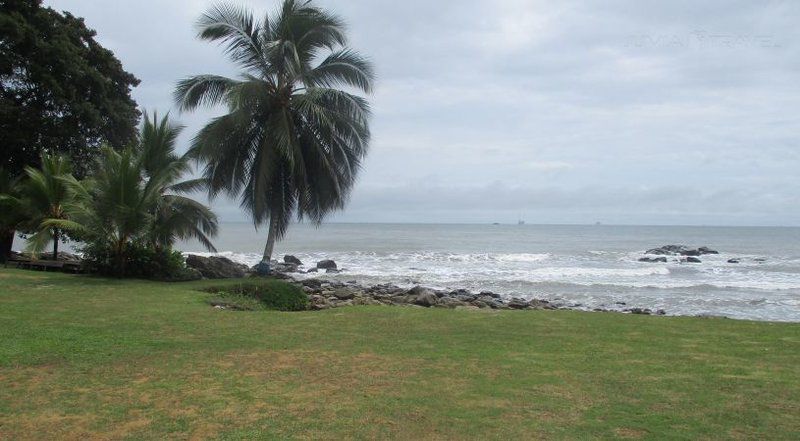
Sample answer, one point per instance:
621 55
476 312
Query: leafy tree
11 212
44 197
293 139
60 91
112 207
130 203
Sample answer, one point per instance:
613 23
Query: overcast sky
629 112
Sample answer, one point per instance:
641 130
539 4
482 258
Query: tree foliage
294 136
44 197
60 91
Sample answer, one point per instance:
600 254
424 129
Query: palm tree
174 216
44 196
112 207
292 141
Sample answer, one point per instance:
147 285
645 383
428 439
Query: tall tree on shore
60 91
293 139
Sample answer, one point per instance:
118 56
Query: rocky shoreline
326 294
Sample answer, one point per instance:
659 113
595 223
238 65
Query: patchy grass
92 358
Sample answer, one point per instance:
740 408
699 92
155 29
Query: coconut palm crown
296 130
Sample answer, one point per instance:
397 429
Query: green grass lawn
84 357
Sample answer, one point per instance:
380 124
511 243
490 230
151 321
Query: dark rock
733 260
312 283
344 294
668 250
691 259
422 296
661 312
291 259
490 294
661 259
312 270
643 311
690 253
216 267
284 267
516 303
326 264
707 250
332 271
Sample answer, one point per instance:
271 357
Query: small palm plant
44 197
112 207
293 138
132 197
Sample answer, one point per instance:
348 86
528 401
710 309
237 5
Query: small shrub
270 294
140 261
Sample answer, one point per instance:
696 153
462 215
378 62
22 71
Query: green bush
268 294
140 261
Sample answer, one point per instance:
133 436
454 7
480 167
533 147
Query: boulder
291 259
285 267
661 259
733 260
216 267
422 296
313 283
326 264
667 250
692 259
707 250
690 253
516 303
318 302
344 293
450 302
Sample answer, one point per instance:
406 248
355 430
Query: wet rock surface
216 267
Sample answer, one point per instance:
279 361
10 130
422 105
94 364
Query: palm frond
344 67
202 90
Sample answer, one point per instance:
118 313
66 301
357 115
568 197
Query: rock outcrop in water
292 259
326 264
678 250
661 259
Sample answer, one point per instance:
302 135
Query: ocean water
591 266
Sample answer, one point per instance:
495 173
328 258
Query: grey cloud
635 112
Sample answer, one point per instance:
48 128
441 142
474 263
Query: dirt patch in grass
207 395
629 433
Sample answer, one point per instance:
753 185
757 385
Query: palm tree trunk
273 230
55 243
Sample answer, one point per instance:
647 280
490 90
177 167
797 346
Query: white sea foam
573 269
